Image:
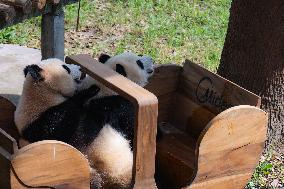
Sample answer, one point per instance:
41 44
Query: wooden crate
213 130
213 133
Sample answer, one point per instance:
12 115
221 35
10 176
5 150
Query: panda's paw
93 90
86 94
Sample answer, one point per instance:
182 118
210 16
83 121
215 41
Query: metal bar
52 33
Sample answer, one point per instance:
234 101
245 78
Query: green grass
168 30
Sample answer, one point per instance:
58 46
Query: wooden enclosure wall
7 144
189 98
164 84
202 95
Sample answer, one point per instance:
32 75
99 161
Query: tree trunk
253 56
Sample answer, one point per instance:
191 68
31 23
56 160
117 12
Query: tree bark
253 57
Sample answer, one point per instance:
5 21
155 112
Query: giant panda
110 150
103 130
137 68
48 106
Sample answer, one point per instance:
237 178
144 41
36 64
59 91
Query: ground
168 30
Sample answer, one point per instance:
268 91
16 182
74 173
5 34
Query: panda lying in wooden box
95 120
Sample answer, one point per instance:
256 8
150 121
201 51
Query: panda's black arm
57 123
81 97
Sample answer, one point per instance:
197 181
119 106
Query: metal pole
52 32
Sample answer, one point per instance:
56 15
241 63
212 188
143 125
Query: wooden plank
7 144
7 110
146 105
165 79
163 84
190 116
175 157
230 148
165 107
4 172
7 13
226 182
50 163
212 91
21 16
24 5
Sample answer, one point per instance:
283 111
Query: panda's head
136 68
54 76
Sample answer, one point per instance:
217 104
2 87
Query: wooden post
7 13
24 5
52 33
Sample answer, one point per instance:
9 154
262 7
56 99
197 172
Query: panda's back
111 110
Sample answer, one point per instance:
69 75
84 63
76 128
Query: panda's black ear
103 58
35 71
66 68
120 69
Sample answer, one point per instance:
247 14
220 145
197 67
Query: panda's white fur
128 61
111 155
37 97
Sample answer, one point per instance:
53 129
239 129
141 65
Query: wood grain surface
230 148
50 163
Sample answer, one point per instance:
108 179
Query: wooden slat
165 105
165 79
24 5
212 91
230 147
4 172
146 116
175 157
190 116
7 13
50 163
8 145
21 16
7 110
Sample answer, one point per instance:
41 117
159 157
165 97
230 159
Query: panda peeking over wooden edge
54 106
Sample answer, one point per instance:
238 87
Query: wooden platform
13 59
15 11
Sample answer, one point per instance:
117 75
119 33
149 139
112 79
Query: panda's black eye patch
66 68
120 69
140 64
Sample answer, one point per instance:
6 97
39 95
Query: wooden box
213 131
212 134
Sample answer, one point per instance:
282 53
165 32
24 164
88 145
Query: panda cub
110 148
48 107
136 68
